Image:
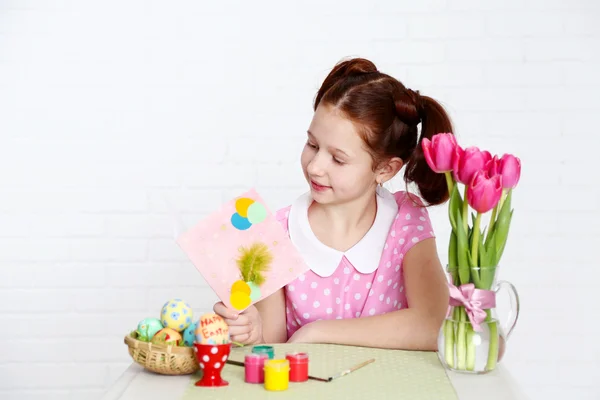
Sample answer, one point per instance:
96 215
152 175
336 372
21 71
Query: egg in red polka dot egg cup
212 348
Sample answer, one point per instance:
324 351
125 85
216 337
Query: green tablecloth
395 375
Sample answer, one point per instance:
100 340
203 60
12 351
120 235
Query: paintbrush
350 370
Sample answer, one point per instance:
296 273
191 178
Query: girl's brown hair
387 114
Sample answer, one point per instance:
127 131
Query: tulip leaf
453 258
471 260
501 243
503 224
455 206
487 272
490 240
470 237
484 261
462 251
490 236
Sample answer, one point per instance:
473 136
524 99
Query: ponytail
434 119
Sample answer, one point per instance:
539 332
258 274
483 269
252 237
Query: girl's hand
244 328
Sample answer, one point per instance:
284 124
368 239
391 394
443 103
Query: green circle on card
256 213
255 293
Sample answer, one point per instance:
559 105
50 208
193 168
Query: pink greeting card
242 251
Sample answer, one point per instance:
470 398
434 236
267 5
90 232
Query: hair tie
418 102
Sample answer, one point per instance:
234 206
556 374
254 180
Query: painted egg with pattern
167 336
176 314
189 335
147 328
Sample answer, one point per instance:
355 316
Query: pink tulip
510 168
483 193
493 166
469 161
439 152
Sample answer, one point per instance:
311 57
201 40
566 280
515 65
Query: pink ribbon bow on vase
475 301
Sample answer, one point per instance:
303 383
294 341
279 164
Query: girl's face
335 161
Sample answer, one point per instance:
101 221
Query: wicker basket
166 360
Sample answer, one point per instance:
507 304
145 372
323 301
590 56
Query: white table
136 383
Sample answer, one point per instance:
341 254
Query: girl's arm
272 314
414 328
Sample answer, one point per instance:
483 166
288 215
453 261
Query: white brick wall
111 111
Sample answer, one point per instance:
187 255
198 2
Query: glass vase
469 344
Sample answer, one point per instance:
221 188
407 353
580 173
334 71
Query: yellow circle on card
241 286
241 206
239 300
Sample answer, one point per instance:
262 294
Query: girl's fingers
239 330
240 321
243 338
223 311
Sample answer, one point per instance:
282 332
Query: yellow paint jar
277 375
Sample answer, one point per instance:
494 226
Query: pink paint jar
298 366
254 367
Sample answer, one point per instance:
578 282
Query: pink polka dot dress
363 281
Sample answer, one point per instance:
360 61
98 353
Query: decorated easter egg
189 335
176 314
167 336
212 329
148 327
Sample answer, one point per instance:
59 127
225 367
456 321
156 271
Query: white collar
364 255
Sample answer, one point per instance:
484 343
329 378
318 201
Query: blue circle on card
240 222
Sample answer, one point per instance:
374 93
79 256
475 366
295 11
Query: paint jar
298 366
254 367
268 350
277 375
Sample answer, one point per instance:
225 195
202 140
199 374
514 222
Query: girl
375 279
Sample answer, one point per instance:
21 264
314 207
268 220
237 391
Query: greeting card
242 251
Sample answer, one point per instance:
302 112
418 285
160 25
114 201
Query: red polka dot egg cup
212 358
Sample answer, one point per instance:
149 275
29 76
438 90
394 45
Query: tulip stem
471 348
475 244
450 182
449 341
461 345
465 212
493 349
502 198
